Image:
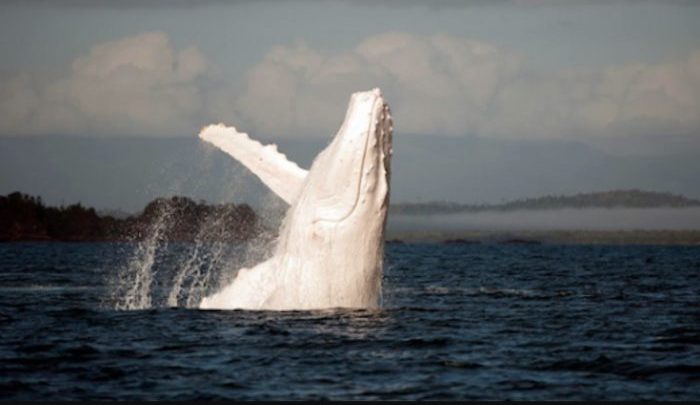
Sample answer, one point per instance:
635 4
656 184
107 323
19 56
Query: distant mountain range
607 199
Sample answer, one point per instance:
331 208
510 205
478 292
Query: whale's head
349 180
343 204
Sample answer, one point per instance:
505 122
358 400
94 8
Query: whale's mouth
373 124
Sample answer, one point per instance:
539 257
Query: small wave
48 288
679 335
460 364
510 292
523 385
108 374
498 292
425 343
15 386
35 348
687 339
603 364
5 318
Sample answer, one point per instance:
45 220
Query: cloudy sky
615 74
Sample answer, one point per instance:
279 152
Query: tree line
26 217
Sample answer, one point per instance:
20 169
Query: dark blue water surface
458 322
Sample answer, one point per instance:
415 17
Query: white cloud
136 85
435 84
453 86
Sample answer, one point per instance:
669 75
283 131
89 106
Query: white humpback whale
330 247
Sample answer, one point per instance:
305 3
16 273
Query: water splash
134 281
194 275
202 276
160 273
186 272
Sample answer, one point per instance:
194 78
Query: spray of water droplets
195 272
161 273
134 281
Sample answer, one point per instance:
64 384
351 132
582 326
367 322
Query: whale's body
330 247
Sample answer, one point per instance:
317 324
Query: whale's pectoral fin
281 175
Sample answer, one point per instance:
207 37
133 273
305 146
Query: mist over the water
558 219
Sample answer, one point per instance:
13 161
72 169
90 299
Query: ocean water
457 322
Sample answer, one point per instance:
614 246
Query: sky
621 76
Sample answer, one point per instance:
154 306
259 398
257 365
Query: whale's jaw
330 249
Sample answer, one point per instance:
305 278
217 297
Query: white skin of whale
330 248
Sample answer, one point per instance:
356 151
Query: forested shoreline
27 218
